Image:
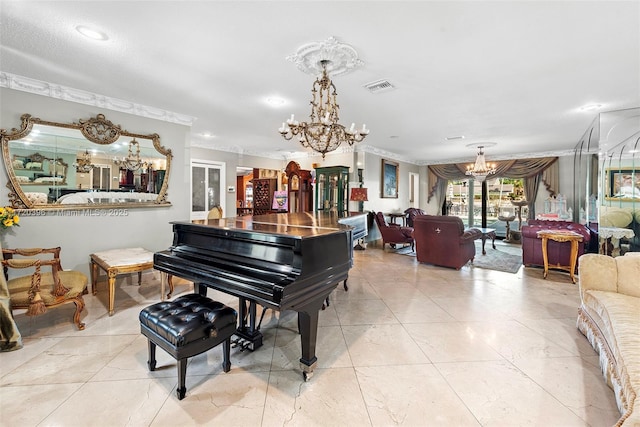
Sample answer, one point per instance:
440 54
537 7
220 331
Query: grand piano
279 261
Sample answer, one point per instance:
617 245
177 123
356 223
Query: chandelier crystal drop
83 164
480 170
323 133
132 162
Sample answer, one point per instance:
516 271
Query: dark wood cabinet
332 189
299 188
263 189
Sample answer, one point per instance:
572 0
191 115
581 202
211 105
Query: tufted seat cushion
187 318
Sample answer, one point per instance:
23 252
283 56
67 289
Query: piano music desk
123 261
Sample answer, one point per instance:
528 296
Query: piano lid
303 224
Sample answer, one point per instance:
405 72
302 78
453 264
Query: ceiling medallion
342 57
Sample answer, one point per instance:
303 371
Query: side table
122 261
393 216
560 236
487 233
611 239
507 219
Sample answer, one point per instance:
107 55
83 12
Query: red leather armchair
411 213
443 240
558 252
393 233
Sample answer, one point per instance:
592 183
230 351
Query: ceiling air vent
379 86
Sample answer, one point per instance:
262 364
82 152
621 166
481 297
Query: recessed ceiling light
91 33
452 138
207 135
275 102
591 107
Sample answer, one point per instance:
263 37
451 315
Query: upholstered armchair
39 290
443 241
411 213
393 233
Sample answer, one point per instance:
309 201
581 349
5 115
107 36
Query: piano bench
185 327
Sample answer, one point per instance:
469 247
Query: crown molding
386 154
239 150
52 90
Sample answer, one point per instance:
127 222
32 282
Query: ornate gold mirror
92 163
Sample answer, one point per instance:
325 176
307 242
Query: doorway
207 187
414 189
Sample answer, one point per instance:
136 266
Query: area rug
497 259
503 258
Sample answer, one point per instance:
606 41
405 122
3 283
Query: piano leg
308 324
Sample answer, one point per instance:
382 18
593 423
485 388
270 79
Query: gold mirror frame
97 130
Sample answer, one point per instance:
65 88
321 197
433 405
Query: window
500 193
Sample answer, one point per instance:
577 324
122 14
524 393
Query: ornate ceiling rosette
342 58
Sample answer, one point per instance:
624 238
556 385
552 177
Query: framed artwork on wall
623 184
389 179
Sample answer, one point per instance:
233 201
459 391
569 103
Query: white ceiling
513 73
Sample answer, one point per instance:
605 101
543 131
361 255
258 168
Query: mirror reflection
54 165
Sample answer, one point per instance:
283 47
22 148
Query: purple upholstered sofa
558 252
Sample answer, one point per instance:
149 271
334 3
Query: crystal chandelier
83 164
323 133
480 170
132 162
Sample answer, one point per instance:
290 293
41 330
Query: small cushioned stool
185 327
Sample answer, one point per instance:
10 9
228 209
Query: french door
207 188
101 177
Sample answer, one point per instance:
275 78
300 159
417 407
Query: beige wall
81 234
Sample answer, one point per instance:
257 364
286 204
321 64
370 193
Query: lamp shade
358 195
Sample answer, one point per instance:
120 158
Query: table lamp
359 195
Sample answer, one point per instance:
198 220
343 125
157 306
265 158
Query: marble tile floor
408 344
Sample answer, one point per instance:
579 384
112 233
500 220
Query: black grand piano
280 261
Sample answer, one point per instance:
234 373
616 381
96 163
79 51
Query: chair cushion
19 287
612 217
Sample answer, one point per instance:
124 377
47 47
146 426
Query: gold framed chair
215 213
39 291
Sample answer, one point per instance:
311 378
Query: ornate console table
560 236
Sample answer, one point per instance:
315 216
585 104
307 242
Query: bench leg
226 350
182 374
151 363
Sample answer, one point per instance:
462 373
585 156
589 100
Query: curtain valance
521 168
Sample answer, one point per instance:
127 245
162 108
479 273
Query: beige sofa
609 316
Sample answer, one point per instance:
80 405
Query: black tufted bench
185 327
